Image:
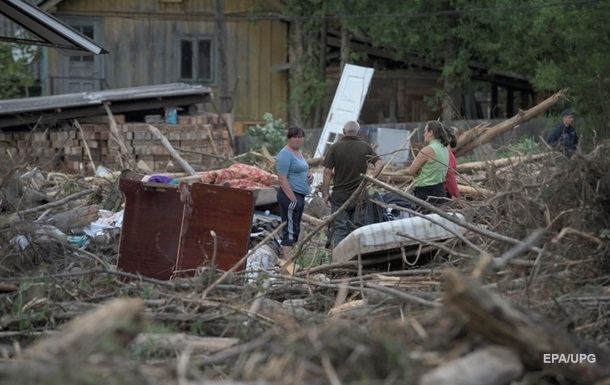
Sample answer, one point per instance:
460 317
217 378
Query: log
76 218
111 326
312 220
482 165
469 141
487 314
60 202
14 195
315 162
183 163
163 343
472 190
116 136
84 140
493 365
73 355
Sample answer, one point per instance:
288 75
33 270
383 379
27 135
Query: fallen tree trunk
474 166
183 163
66 357
493 365
473 190
162 343
480 135
59 202
112 325
76 218
487 314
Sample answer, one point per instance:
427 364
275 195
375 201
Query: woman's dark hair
438 130
451 138
295 131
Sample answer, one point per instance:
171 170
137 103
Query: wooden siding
142 38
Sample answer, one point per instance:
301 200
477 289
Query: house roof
51 31
49 109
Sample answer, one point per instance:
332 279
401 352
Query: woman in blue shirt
292 172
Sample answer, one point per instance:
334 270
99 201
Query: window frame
195 42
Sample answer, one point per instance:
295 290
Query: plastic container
171 115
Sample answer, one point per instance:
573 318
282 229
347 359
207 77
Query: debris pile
522 290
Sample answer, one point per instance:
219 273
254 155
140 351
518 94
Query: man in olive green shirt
346 162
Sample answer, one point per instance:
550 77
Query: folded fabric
162 179
240 175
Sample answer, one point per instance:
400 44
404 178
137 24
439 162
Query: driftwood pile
521 298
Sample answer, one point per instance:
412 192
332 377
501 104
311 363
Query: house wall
142 40
393 96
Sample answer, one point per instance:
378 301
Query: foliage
554 45
317 258
524 146
13 78
308 78
272 135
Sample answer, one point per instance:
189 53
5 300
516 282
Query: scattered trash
262 259
102 171
80 241
107 220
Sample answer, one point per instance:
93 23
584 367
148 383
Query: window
197 59
86 30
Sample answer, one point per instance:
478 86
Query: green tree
554 44
569 45
271 135
307 60
14 75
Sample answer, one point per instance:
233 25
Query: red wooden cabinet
171 230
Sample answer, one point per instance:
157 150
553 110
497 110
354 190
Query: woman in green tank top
429 168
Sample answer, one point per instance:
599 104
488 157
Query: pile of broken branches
528 279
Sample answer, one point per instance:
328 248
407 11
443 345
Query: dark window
86 30
197 60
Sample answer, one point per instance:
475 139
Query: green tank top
433 173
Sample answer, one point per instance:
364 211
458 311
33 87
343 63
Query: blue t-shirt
295 169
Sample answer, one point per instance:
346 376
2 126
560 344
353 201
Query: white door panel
347 103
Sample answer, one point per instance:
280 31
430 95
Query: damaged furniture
173 230
400 234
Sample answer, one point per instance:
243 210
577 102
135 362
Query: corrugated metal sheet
16 106
45 109
50 30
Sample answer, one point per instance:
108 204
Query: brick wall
65 149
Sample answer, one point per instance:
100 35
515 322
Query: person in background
347 160
292 172
429 168
564 137
451 185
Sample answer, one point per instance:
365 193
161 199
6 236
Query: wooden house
158 42
168 41
399 88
